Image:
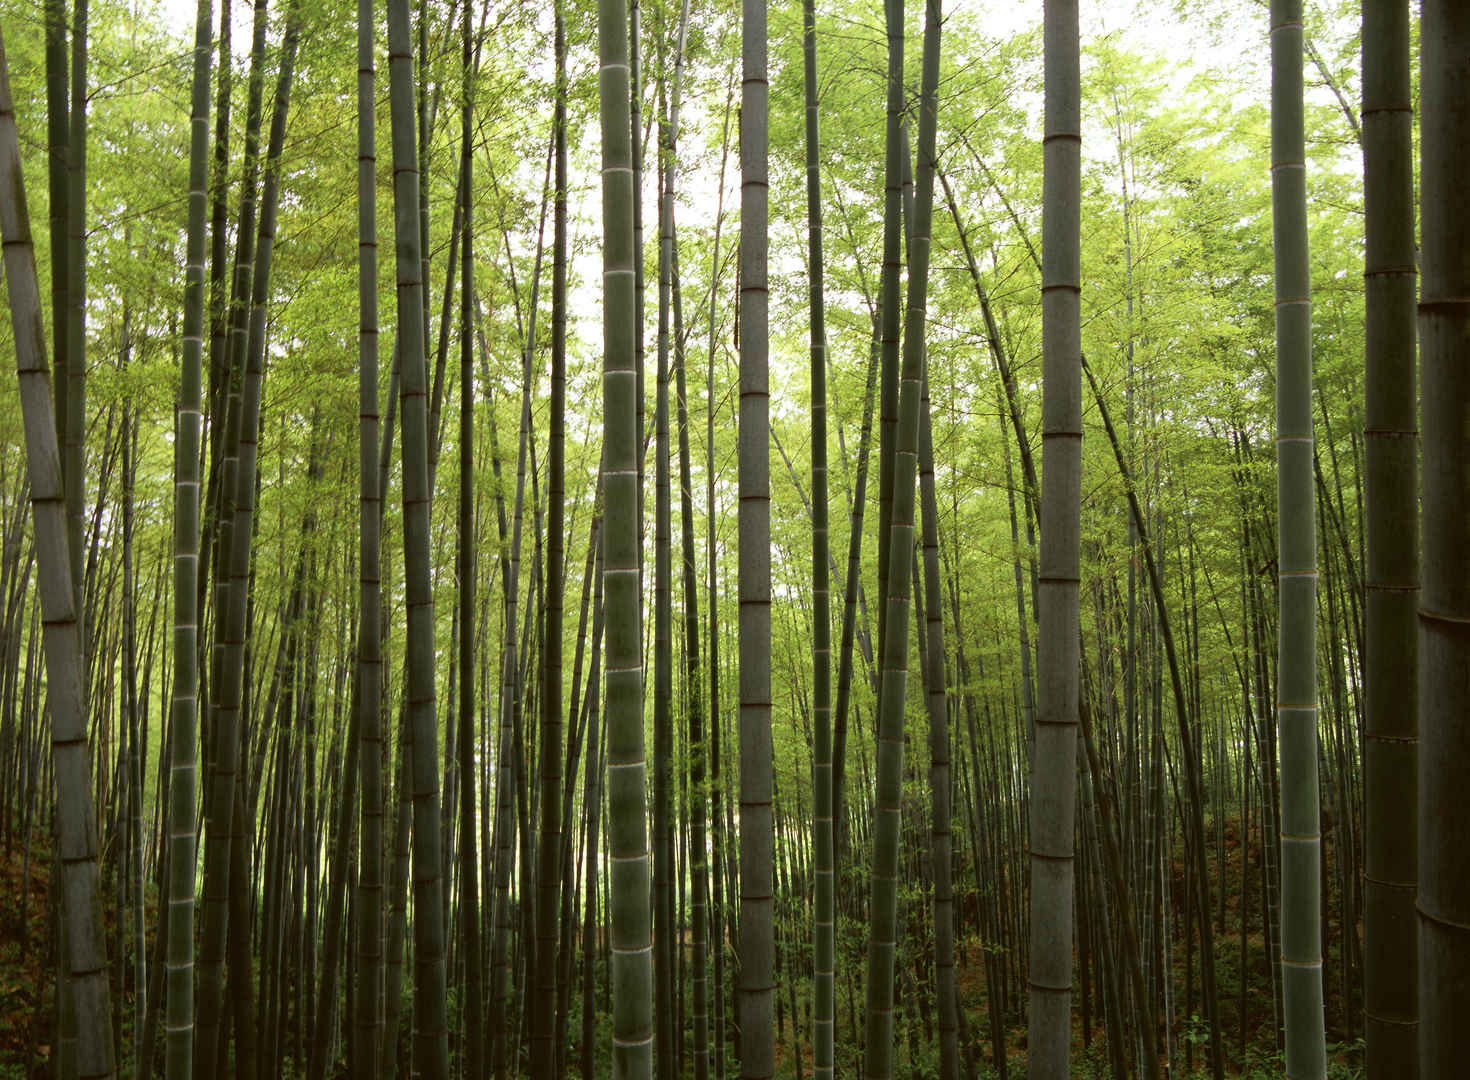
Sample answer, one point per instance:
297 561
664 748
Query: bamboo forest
640 539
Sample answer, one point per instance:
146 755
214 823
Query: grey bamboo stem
632 958
1391 483
431 1041
1444 609
1296 704
1054 773
84 952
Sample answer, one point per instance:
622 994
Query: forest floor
27 973
1250 1051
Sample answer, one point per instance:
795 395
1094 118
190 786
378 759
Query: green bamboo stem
184 725
548 876
824 915
471 1026
890 315
233 615
937 698
368 1021
74 435
756 994
431 1041
693 681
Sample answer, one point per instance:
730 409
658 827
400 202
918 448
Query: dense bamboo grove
1113 735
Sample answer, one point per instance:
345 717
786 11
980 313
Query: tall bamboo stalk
890 317
632 959
716 791
936 695
471 1026
84 956
74 437
1444 611
757 926
1054 773
693 676
1391 482
184 721
824 916
233 617
883 935
369 637
548 888
431 1040
1296 703
58 134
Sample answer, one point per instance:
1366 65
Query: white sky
1152 23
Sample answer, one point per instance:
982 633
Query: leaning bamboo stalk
76 829
184 725
883 936
431 1043
473 1041
548 886
823 920
368 1022
233 618
937 698
663 870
